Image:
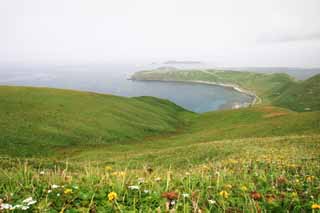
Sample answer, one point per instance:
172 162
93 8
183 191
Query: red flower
170 195
256 195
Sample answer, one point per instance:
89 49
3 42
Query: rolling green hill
69 151
266 86
301 96
277 88
36 121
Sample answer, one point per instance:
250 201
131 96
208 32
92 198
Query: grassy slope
229 126
277 89
34 121
266 86
302 96
249 147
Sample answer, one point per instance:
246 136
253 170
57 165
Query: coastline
256 99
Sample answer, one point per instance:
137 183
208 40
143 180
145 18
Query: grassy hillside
277 89
41 121
266 86
68 151
301 96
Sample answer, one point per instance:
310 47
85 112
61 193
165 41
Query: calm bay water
112 79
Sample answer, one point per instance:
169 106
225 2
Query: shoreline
256 99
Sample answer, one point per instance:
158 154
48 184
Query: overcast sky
224 32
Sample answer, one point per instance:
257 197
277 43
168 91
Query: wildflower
171 199
108 168
146 191
185 195
68 191
224 194
310 178
58 194
5 206
24 207
270 198
294 194
54 186
112 196
41 173
134 187
29 201
255 195
244 188
158 179
282 180
315 206
212 202
170 195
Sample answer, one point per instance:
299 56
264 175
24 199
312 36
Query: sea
114 79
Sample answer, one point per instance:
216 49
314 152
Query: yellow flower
112 196
224 194
68 191
315 206
310 178
294 194
244 188
108 168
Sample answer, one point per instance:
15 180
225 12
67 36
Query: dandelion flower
112 196
244 188
68 191
315 206
224 194
108 168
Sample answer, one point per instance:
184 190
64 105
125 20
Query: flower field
278 176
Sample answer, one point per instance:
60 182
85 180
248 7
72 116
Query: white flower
29 201
212 202
158 179
146 191
185 195
24 207
58 195
49 191
41 173
5 206
134 187
54 186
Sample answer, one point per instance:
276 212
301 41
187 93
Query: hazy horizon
223 33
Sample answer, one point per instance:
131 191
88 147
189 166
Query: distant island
182 62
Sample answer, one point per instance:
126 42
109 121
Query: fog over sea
113 79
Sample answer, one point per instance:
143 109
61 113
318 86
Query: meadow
68 151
